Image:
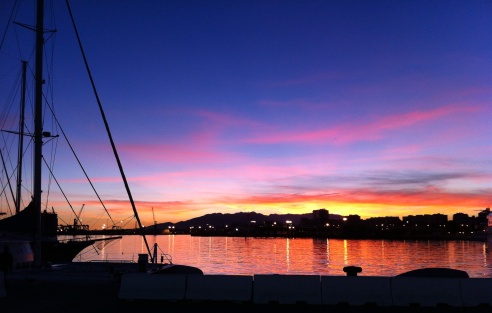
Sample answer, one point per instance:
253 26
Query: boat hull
21 251
173 269
19 228
62 252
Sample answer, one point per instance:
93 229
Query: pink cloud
200 146
181 154
244 170
360 131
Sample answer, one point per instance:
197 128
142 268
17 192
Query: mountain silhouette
238 219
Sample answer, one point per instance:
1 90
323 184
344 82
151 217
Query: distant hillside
241 218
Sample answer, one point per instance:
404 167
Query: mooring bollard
352 270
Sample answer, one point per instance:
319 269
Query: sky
375 108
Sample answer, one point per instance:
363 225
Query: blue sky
376 108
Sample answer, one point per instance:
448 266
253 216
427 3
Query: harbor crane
155 222
77 219
153 216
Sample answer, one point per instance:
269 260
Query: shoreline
480 238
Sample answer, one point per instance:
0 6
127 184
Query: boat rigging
33 212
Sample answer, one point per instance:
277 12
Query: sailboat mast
38 129
21 140
113 146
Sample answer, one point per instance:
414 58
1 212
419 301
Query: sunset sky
375 108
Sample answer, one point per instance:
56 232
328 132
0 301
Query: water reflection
248 256
487 257
320 255
287 253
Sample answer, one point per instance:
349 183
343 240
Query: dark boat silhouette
40 228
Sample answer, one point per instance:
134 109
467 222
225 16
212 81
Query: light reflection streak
287 253
345 252
327 254
275 253
484 255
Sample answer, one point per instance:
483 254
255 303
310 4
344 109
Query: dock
121 288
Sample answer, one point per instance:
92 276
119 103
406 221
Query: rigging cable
56 181
80 164
103 115
9 178
8 144
8 24
5 186
57 125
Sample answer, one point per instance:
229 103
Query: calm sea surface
248 256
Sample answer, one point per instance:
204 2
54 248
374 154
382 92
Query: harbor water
249 256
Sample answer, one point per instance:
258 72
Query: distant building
353 218
482 216
306 222
461 218
426 220
391 221
483 219
321 217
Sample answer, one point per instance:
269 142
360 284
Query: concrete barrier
143 286
309 289
356 290
426 291
287 289
3 292
476 291
234 288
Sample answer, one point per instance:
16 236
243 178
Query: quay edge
91 289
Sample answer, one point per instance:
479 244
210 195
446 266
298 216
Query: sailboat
21 225
32 234
28 228
40 224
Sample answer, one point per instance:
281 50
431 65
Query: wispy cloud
360 130
174 154
278 190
